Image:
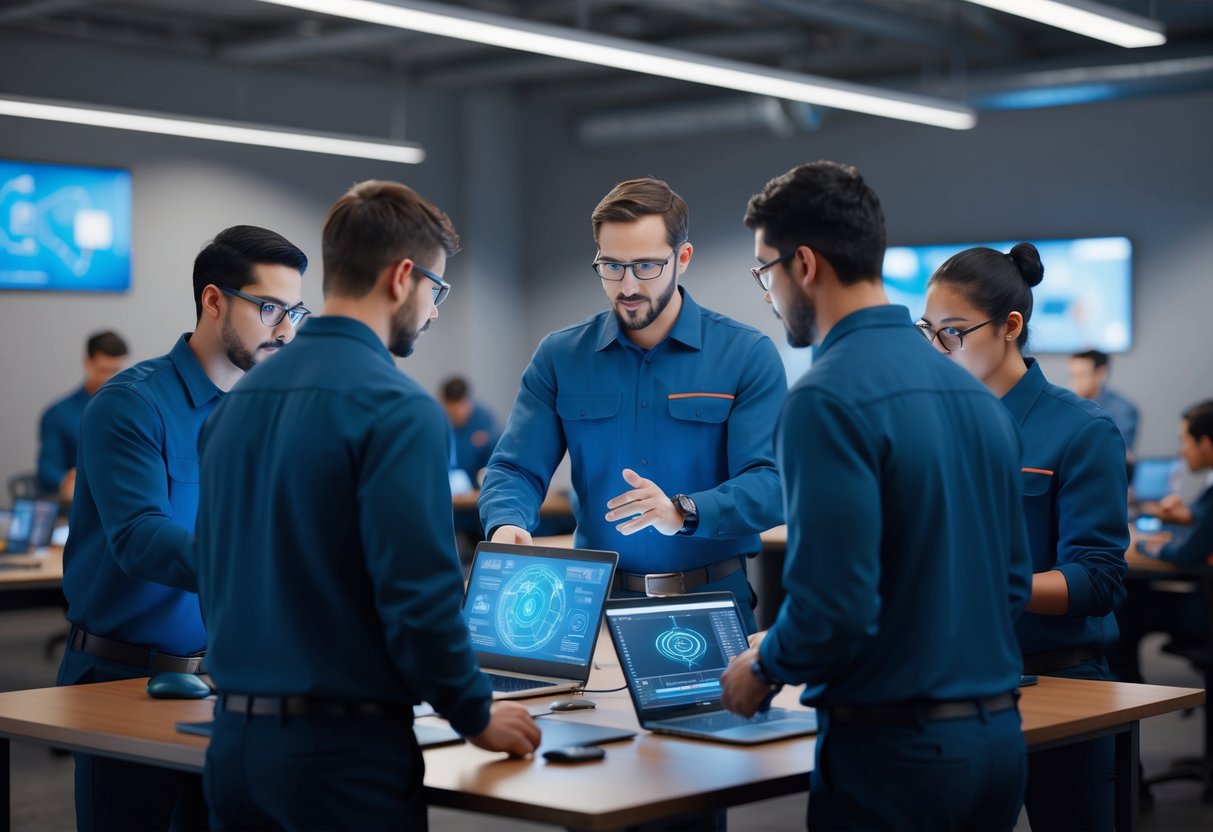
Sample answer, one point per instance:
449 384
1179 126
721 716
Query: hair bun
1027 260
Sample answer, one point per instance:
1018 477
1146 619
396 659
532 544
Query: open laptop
534 613
1156 477
30 525
673 650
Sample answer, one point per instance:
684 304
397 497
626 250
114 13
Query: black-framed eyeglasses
441 290
272 312
762 274
641 269
950 338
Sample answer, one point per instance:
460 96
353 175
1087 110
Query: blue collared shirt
127 570
57 435
326 555
907 558
694 415
1123 413
1193 546
1075 503
474 442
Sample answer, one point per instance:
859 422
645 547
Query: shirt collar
197 383
886 315
1020 398
343 327
687 329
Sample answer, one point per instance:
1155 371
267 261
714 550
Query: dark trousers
1074 787
951 774
117 795
314 772
1146 610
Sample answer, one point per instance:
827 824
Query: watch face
686 505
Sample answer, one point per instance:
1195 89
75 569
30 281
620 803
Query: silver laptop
673 650
534 613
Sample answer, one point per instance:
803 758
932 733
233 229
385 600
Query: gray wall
1143 169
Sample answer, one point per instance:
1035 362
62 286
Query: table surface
43 568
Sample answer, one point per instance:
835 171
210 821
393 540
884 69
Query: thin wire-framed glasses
949 337
441 290
762 274
641 269
272 312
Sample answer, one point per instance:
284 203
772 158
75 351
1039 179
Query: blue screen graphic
532 607
1084 302
64 228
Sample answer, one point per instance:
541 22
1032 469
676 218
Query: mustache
629 298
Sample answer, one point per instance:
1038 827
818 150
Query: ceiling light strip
1095 20
618 53
409 154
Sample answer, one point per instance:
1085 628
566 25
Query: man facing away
59 429
665 409
127 566
326 557
907 556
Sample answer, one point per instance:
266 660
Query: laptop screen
1156 477
533 609
673 650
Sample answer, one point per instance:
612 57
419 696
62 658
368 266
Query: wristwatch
760 672
690 513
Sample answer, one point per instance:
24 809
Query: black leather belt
910 713
1051 661
307 706
677 583
135 656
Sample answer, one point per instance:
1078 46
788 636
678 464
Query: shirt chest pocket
589 419
705 409
1037 482
183 486
699 438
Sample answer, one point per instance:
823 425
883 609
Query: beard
645 315
799 321
402 338
240 355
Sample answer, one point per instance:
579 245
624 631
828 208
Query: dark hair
106 342
227 261
1200 420
1097 358
455 389
635 198
375 224
996 283
827 207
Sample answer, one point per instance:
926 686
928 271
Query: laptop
673 650
534 613
30 524
1156 477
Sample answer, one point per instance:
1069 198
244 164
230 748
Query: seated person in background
475 427
1146 610
104 356
1089 379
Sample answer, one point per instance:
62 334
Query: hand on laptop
741 691
512 534
756 638
510 729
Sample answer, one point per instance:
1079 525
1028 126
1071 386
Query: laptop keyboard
511 684
723 720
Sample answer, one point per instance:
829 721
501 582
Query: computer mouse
177 686
572 705
574 754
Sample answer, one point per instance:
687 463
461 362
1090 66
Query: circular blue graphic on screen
683 646
530 609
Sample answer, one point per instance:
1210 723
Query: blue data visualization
64 227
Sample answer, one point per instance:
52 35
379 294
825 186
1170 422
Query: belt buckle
664 576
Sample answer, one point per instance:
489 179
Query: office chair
23 485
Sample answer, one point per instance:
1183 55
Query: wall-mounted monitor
1083 303
64 227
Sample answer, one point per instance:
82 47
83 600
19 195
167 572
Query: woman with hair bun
979 303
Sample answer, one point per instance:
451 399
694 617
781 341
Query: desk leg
6 817
1128 771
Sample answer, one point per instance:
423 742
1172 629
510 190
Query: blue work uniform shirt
325 552
474 442
694 415
1123 413
58 432
1075 496
127 565
1193 546
907 558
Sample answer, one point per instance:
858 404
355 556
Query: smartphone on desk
1148 524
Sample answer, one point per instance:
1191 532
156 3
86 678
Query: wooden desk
45 570
554 504
641 780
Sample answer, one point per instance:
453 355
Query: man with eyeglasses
907 556
332 602
665 409
128 565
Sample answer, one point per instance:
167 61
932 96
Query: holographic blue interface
534 607
64 228
674 654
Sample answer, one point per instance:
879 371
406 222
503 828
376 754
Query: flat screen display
1083 303
64 227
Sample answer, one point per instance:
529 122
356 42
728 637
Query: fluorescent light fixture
218 131
1095 20
649 59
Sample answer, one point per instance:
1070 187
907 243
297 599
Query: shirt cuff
1078 588
708 505
472 717
503 520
